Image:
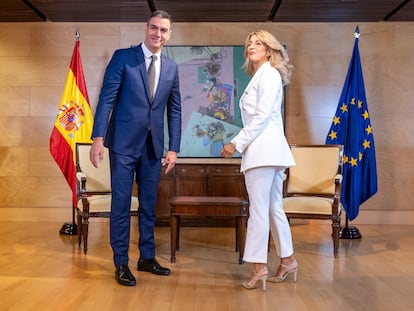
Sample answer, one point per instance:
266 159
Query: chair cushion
308 205
102 203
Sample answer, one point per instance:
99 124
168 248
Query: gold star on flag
368 129
332 135
365 115
353 161
352 101
359 104
367 144
345 159
336 120
344 108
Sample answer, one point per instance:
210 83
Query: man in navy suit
129 121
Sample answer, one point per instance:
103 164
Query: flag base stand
349 233
69 229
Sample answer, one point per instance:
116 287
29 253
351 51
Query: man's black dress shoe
124 276
152 265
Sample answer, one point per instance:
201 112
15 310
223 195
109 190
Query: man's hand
170 160
96 154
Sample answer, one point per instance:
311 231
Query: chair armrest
338 186
81 177
338 178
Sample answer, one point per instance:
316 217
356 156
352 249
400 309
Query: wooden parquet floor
43 270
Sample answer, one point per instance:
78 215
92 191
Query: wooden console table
200 206
198 178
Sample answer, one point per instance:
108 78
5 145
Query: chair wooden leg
85 227
241 236
178 233
79 218
174 233
335 234
237 234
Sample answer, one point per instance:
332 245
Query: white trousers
265 189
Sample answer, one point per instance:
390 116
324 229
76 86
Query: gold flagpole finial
77 34
357 33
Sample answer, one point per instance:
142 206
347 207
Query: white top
262 141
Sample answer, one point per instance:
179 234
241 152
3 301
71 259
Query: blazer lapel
143 70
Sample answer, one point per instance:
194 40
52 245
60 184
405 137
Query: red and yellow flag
73 123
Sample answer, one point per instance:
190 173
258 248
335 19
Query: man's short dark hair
159 13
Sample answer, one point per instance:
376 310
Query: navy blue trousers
146 167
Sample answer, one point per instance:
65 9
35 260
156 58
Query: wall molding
59 214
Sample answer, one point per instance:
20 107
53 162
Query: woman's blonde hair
278 58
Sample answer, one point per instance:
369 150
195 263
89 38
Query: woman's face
256 51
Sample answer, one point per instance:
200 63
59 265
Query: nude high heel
292 268
256 277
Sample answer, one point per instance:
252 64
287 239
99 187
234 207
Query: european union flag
351 127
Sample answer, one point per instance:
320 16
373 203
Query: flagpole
351 127
71 228
347 232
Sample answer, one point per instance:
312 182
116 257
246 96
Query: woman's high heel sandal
285 271
256 277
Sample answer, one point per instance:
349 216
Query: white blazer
262 141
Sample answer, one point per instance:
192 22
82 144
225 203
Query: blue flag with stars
351 127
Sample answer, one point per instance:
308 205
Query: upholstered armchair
93 191
312 188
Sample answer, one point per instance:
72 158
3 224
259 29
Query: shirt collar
147 52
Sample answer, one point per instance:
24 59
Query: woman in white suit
265 155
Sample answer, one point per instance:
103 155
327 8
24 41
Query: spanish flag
73 122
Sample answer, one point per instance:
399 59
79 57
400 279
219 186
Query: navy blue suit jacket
125 112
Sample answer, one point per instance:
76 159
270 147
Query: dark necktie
151 75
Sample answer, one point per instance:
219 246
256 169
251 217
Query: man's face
157 33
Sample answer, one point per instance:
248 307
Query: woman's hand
228 150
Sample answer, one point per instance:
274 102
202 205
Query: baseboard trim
371 218
36 214
377 217
365 217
